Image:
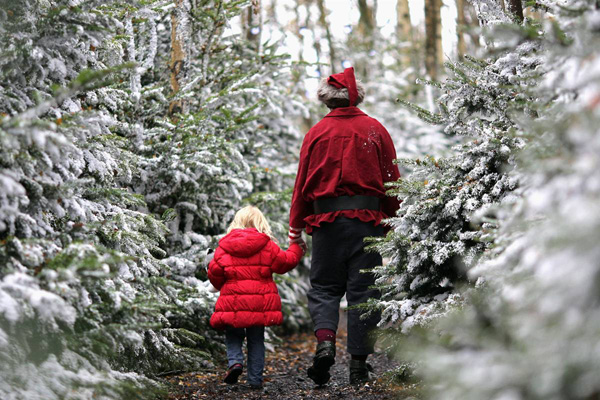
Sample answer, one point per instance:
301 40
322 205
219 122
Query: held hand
295 235
302 245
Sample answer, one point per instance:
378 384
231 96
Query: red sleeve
300 208
389 171
285 261
216 273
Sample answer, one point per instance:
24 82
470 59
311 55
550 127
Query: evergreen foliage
437 236
530 331
121 167
529 326
108 207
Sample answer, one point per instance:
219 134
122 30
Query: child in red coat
242 269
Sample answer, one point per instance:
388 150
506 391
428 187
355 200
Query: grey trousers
338 257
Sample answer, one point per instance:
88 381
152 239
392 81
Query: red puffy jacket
242 269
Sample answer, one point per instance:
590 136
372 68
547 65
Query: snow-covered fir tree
530 329
76 250
131 132
446 219
114 183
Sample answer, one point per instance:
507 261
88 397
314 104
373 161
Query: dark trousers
338 257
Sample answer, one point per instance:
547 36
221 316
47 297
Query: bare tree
461 48
366 22
252 23
272 12
325 26
438 32
365 36
470 21
515 7
296 30
534 14
404 30
179 53
433 37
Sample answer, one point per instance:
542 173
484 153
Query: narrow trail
285 377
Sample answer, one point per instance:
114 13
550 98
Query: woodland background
131 132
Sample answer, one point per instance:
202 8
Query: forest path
285 377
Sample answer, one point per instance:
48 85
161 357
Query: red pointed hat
346 80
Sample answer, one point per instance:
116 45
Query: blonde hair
251 217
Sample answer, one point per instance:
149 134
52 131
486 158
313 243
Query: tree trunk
536 14
366 22
461 48
438 32
316 43
515 7
403 24
297 31
472 20
433 37
404 31
325 26
366 38
272 13
179 52
252 23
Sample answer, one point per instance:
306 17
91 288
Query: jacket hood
244 242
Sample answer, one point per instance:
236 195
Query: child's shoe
233 374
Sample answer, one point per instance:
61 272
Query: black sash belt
331 204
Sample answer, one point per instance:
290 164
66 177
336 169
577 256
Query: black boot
359 372
324 358
233 374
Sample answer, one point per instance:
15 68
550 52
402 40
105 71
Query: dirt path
285 377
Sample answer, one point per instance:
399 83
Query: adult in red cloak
339 198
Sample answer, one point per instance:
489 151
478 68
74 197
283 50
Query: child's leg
234 337
256 354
